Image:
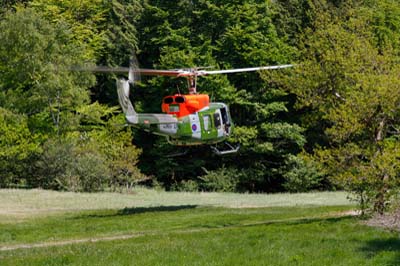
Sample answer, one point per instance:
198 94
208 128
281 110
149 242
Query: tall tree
106 29
35 68
348 78
38 92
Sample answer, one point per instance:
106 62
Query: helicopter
186 119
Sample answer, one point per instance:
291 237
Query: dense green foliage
223 35
349 79
329 122
53 135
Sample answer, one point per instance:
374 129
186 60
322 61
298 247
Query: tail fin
126 105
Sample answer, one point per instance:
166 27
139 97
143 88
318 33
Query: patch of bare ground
390 221
349 213
68 242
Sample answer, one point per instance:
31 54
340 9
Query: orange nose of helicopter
184 104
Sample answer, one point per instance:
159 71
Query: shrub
120 156
99 155
53 163
64 165
88 172
186 186
221 180
301 174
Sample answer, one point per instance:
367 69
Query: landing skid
230 149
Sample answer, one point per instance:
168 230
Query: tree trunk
379 204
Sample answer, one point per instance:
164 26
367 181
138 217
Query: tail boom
134 118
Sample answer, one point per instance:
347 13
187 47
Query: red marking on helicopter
184 104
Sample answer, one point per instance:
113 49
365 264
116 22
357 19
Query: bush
186 186
90 160
63 165
120 156
88 172
372 176
53 163
301 174
221 180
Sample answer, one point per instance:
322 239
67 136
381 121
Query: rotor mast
192 82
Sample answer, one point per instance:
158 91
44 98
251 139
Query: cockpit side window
225 118
217 120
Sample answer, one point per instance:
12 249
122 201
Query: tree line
330 122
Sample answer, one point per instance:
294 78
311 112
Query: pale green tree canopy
36 62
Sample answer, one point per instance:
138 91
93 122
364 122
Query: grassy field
158 228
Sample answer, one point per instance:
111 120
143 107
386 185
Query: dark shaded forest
330 122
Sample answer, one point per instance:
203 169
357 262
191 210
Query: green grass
194 234
148 221
36 200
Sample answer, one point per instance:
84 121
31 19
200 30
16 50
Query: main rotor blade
142 71
238 70
179 72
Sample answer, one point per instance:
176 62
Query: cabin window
217 120
168 100
174 108
206 120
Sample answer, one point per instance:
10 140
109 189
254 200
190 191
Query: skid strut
230 149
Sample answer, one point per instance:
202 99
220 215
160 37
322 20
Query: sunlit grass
203 236
78 225
25 203
150 227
